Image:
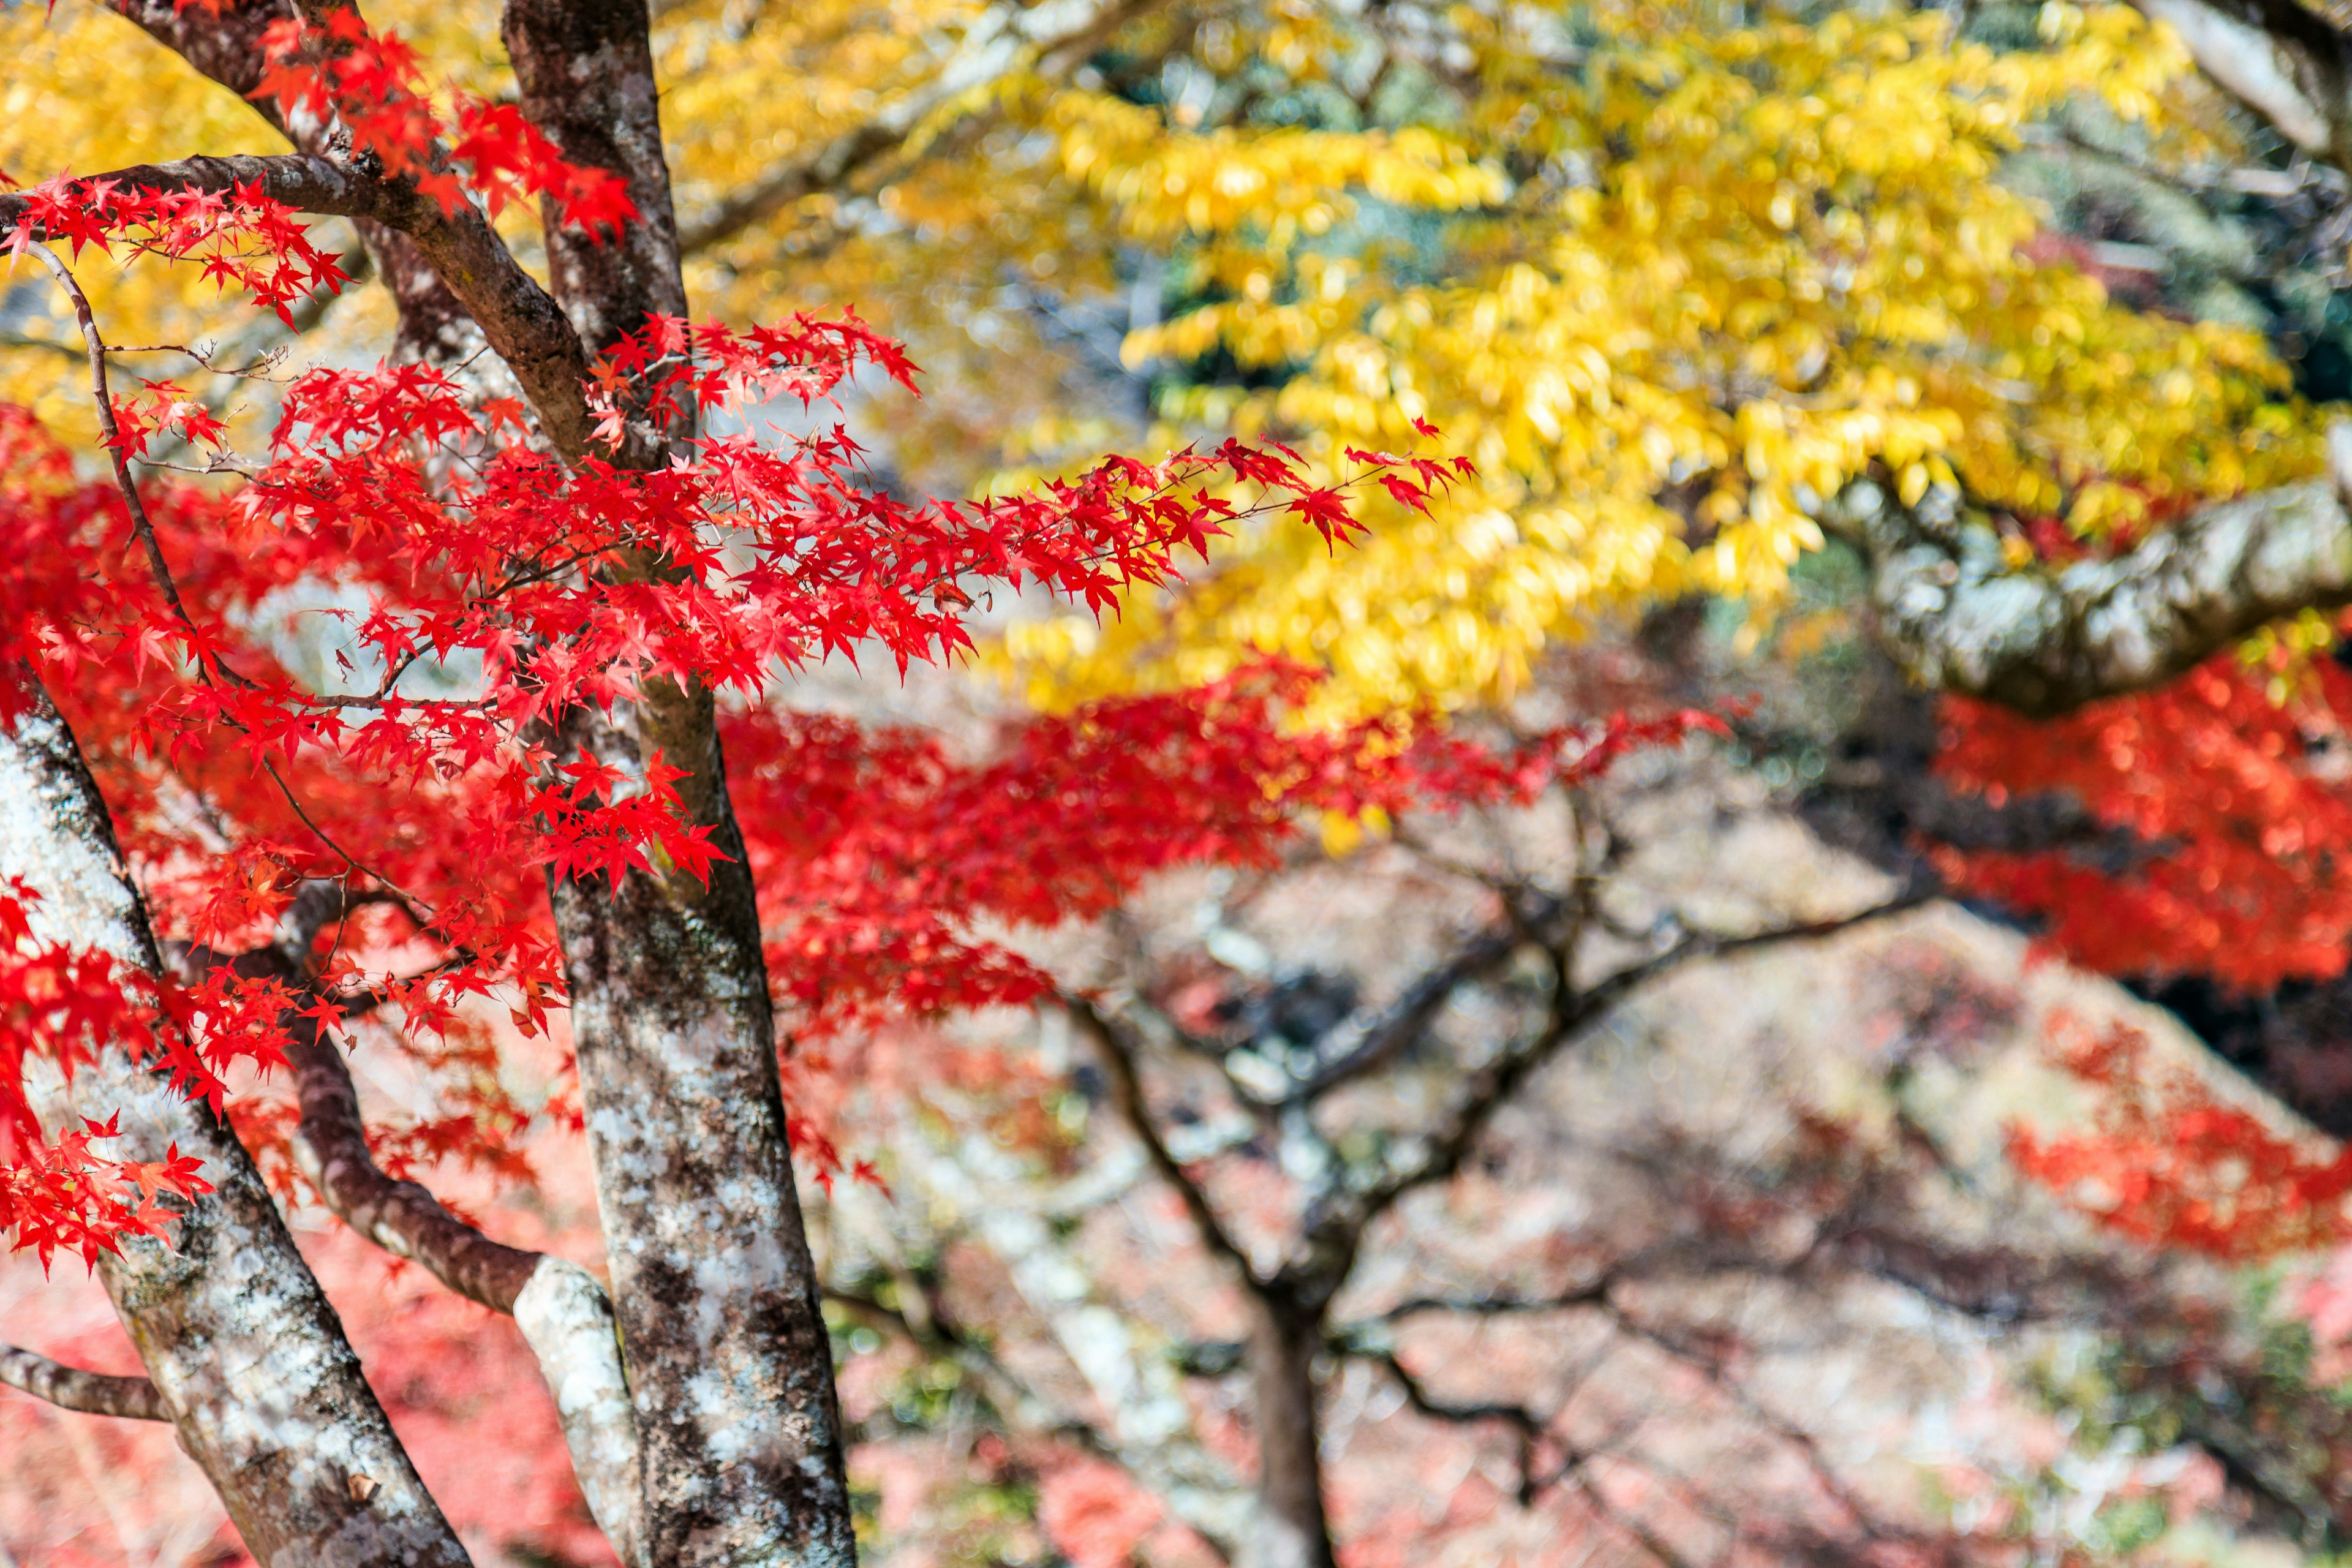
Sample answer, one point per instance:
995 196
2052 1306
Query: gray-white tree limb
1959 616
241 1347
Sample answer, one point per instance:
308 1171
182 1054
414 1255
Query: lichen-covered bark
240 1344
584 70
563 1312
1956 614
729 1367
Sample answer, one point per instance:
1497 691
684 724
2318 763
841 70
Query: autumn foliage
2227 790
2168 1162
475 588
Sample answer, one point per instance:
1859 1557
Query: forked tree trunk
1290 1529
244 1350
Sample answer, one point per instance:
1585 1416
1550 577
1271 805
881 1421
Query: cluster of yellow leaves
1770 259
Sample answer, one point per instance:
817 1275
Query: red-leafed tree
559 600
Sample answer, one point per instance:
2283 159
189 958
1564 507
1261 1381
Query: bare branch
1005 39
520 319
1368 1041
94 345
1120 1052
1573 1012
70 1388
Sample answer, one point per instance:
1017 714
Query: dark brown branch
1361 1046
1120 1054
1590 1295
94 350
400 1216
520 319
331 1144
70 1388
1493 1085
1518 1417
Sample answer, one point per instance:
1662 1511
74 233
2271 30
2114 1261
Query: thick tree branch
2248 63
242 1346
70 1388
564 1314
585 72
1958 615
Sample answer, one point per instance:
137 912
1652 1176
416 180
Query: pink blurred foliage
1095 1514
2323 1299
458 1383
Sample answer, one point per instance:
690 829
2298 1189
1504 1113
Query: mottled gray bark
564 1314
1956 615
730 1365
243 1349
584 70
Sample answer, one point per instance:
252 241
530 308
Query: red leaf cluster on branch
2240 803
67 1005
335 69
242 237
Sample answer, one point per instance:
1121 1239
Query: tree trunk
242 1348
1958 617
1290 1529
729 1366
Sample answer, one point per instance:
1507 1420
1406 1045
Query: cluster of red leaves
2240 803
61 1195
335 68
2169 1163
885 851
243 237
881 860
